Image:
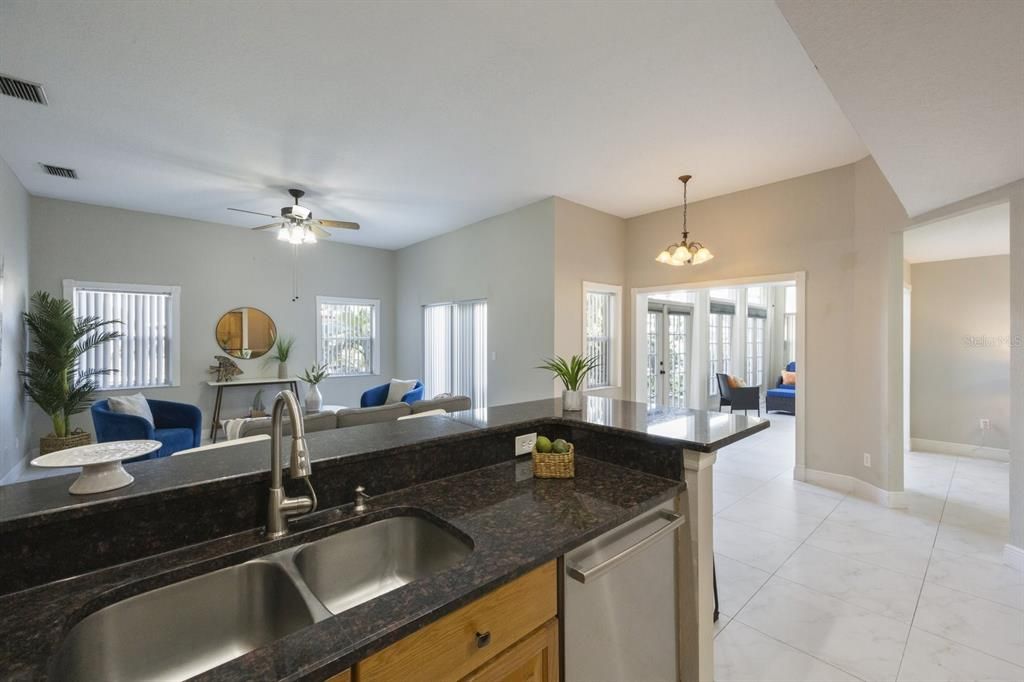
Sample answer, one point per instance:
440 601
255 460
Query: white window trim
616 329
336 300
174 360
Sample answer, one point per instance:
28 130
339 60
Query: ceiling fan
297 224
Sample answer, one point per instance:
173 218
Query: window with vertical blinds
347 335
455 350
146 355
599 314
719 343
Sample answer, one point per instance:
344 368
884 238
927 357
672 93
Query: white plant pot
282 370
572 401
314 400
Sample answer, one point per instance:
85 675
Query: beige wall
507 260
954 382
218 268
833 225
590 246
14 262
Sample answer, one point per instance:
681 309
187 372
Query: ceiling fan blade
265 227
339 223
242 210
320 232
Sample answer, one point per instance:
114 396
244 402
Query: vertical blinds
455 350
598 324
347 337
142 356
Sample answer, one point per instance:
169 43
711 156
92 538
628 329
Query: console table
290 382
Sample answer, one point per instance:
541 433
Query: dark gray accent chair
741 398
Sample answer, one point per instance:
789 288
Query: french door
668 354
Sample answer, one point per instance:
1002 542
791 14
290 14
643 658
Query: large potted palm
52 377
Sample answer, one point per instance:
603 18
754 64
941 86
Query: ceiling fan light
308 237
282 234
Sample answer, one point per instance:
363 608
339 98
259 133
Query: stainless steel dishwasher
620 602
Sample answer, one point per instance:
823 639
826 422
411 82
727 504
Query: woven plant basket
553 465
51 443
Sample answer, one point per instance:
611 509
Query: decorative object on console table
571 373
282 351
553 459
226 369
52 378
257 409
313 376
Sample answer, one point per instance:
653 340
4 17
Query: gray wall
14 231
508 260
955 383
218 268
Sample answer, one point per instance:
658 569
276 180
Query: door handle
583 575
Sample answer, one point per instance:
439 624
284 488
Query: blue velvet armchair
179 426
782 398
373 397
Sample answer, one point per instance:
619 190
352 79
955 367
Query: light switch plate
525 443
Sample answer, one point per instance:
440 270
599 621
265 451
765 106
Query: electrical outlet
867 459
525 443
985 424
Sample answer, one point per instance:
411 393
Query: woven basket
48 444
553 465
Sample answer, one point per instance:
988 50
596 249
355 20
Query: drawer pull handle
483 639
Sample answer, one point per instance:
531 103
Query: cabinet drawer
462 641
531 659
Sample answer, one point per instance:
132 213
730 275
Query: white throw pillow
131 404
398 388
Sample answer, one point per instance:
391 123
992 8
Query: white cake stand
100 462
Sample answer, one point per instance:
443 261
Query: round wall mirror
246 333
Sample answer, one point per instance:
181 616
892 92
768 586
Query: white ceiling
411 118
984 232
935 89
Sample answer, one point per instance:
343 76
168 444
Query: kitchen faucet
280 506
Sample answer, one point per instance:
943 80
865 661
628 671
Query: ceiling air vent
26 90
60 172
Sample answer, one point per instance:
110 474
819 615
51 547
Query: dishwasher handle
583 575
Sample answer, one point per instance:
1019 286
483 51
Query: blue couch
179 426
781 398
374 397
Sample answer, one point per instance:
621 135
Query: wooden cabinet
343 676
532 659
461 642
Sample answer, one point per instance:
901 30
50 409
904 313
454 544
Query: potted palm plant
572 373
282 351
313 376
52 378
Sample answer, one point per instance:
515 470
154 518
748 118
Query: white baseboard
1014 556
959 449
854 486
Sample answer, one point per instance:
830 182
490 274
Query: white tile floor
816 585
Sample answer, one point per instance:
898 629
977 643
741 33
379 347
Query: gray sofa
357 416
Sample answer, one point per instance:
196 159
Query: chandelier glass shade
685 252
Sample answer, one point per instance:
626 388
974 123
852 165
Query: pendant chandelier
685 252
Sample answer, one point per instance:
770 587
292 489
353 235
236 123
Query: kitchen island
67 558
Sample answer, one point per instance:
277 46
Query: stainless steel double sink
183 629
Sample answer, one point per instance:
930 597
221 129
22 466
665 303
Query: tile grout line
928 566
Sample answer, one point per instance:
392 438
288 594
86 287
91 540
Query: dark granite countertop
515 526
37 501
